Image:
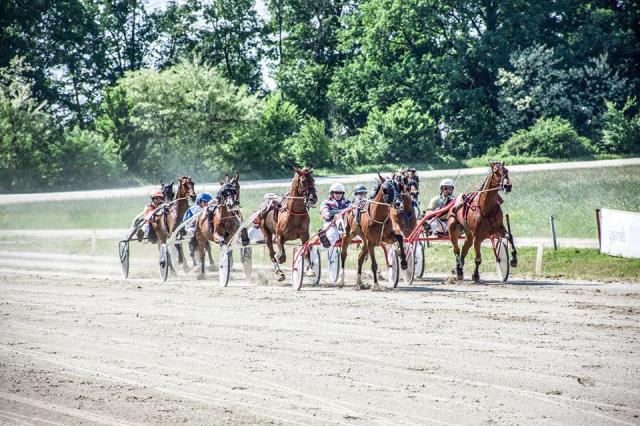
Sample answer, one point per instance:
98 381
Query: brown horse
219 221
374 227
168 219
479 216
406 219
290 220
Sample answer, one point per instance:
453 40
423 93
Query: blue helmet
203 196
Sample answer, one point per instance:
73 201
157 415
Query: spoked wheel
333 256
407 274
393 267
314 254
165 258
297 272
123 250
418 259
224 269
245 259
501 251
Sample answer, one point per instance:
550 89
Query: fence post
539 258
553 232
598 223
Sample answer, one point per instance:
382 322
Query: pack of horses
388 217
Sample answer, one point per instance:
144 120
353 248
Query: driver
328 210
439 225
145 232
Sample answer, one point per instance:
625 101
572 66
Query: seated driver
202 200
439 225
328 210
146 232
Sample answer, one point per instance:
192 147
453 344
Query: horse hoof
476 278
281 276
514 262
376 288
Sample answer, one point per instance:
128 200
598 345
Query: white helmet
336 187
447 182
269 196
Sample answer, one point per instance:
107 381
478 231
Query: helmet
447 182
156 194
336 187
203 196
269 196
360 188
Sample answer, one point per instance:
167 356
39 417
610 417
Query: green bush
548 137
402 133
620 129
311 146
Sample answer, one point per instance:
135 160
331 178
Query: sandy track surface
102 194
80 345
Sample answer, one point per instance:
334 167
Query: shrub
548 137
620 129
311 146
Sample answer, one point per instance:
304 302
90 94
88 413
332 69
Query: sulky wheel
165 259
334 260
393 267
314 254
408 274
418 259
224 268
502 258
297 271
123 251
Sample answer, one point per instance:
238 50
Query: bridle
307 192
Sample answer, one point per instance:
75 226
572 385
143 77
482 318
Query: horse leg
282 256
268 241
201 245
374 267
193 246
477 242
346 242
361 258
454 233
181 259
212 265
403 256
514 253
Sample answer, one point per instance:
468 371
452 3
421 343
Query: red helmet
156 194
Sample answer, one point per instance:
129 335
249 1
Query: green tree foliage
178 119
36 154
402 133
621 128
311 146
548 137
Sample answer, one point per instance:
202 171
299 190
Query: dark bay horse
479 216
166 220
290 220
374 227
406 219
219 221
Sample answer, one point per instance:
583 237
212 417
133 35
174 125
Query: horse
289 221
218 222
169 215
406 219
235 182
374 228
479 216
412 182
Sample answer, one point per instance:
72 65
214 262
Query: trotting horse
408 217
219 222
289 221
168 219
479 216
374 227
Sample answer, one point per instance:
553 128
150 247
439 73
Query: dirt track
80 345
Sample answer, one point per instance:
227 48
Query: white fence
619 232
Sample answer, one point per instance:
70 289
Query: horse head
227 195
500 176
411 182
390 192
167 191
306 185
186 188
235 181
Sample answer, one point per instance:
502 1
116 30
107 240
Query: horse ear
237 175
380 178
297 170
161 182
502 164
171 183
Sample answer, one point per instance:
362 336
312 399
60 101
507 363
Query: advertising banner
620 233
